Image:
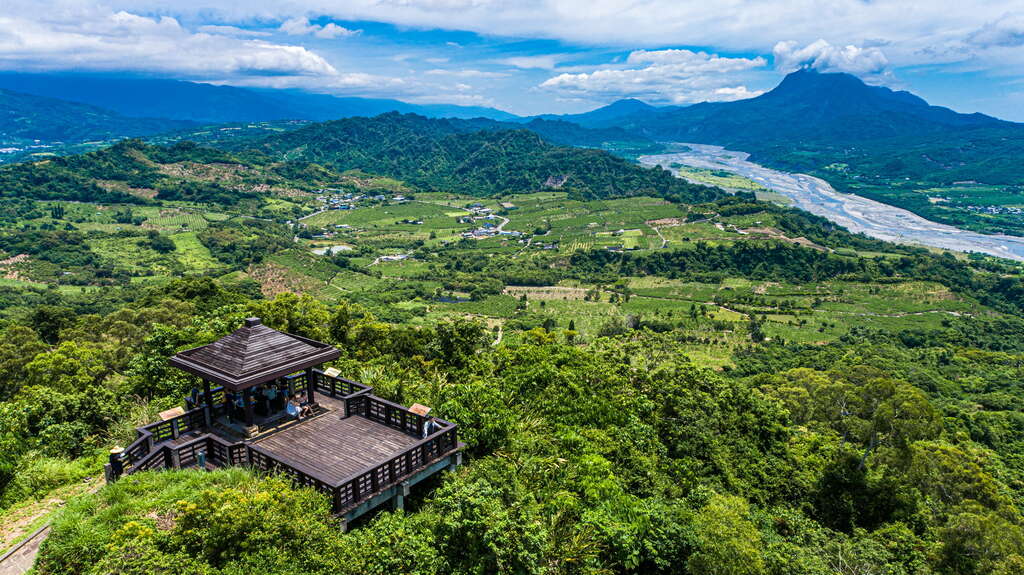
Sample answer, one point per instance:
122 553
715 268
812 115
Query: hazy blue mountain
607 115
28 118
805 106
206 103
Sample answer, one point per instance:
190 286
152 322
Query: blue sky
535 56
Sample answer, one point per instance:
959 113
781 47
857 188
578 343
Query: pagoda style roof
253 354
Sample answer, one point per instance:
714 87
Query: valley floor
855 213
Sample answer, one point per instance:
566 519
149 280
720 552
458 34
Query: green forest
649 376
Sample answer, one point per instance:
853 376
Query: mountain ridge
457 155
826 96
212 104
26 118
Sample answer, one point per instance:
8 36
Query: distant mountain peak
807 80
628 104
807 108
623 107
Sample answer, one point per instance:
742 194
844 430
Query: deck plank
337 447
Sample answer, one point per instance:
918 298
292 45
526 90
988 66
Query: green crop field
192 253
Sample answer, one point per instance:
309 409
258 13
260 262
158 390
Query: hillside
449 155
566 133
25 118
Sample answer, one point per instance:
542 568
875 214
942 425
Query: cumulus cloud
867 62
302 27
664 76
94 40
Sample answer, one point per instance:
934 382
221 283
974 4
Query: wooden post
247 399
310 384
208 399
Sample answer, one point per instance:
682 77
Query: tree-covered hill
443 155
477 157
613 454
26 118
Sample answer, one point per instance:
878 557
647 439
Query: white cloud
302 27
465 73
541 62
231 31
341 83
664 76
94 40
867 62
1006 31
911 26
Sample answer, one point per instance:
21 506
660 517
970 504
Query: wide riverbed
857 214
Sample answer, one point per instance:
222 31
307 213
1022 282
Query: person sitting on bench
298 411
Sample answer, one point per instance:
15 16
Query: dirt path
664 242
22 556
19 558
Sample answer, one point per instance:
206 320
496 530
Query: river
857 214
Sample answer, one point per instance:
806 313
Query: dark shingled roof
253 354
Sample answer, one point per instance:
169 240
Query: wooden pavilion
357 448
253 355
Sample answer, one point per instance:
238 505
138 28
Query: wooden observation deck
360 450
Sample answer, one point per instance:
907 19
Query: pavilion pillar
310 384
247 399
208 400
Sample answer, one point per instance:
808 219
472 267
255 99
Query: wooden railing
297 382
345 494
159 432
216 392
154 448
264 461
385 412
357 488
337 387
